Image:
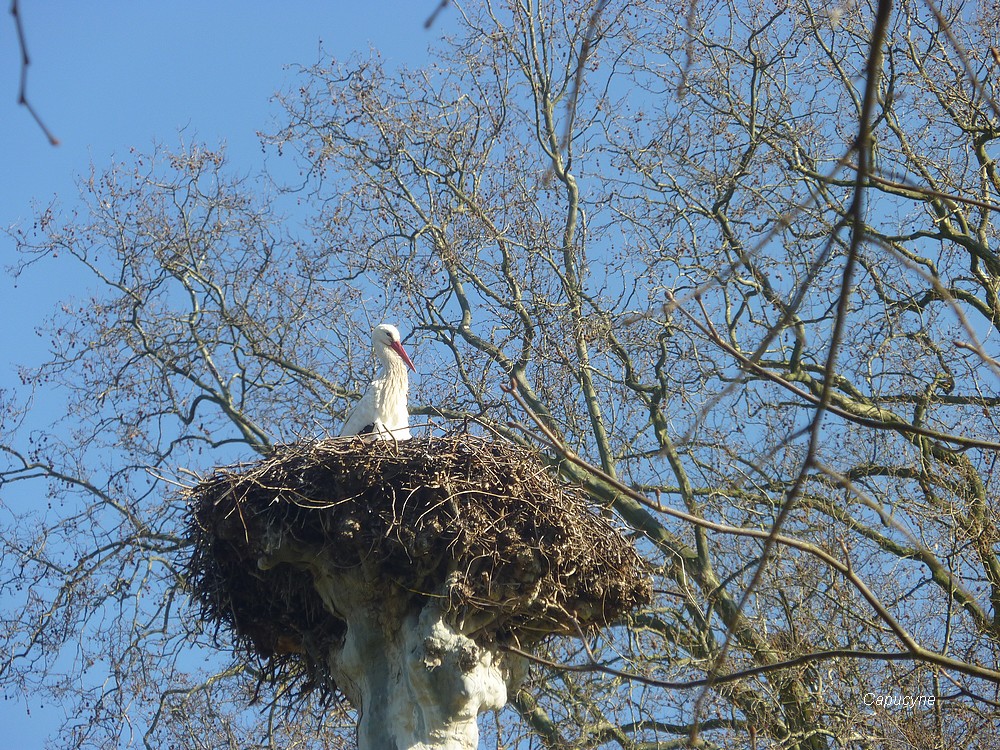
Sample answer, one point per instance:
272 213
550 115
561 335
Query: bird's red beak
398 348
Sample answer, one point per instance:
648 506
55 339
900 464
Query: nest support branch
396 572
416 680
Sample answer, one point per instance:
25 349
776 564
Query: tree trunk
416 682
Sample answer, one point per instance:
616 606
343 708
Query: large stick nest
482 526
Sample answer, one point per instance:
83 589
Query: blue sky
109 76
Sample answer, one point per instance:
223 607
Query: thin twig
593 665
863 148
433 16
945 25
581 64
773 536
905 428
22 96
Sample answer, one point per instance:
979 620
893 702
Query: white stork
381 413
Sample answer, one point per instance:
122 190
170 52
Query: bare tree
731 267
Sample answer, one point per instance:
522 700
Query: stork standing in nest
381 414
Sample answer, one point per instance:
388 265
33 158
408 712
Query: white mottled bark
416 682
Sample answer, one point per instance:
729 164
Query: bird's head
386 336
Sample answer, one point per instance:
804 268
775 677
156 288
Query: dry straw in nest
480 525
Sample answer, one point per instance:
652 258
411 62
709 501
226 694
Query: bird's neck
389 392
394 368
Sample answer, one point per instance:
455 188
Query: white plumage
381 414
